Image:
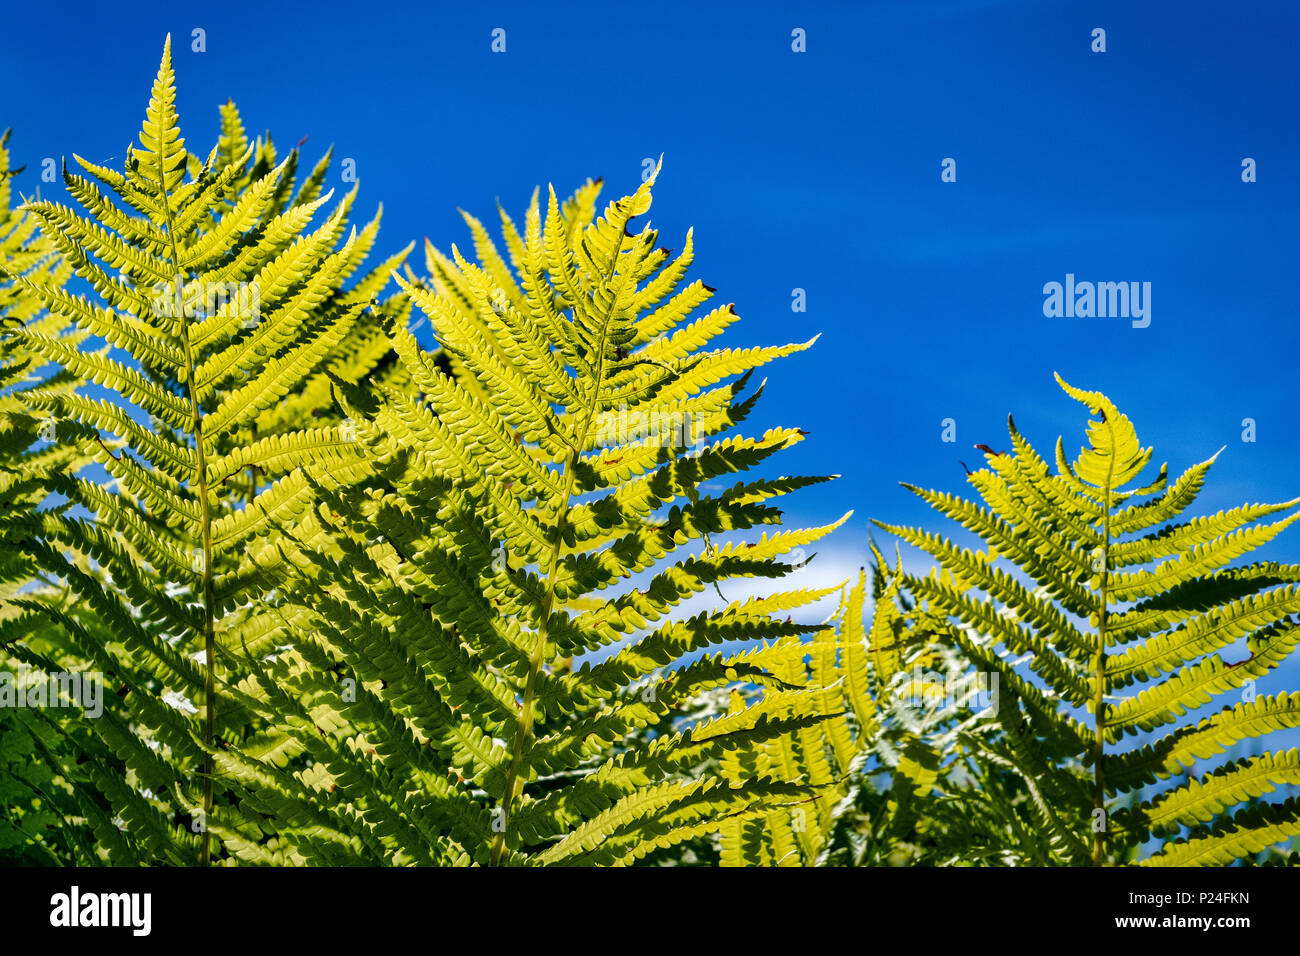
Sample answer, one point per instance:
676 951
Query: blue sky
817 170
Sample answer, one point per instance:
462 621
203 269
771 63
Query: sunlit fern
433 681
1128 617
27 472
225 306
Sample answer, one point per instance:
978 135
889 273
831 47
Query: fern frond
207 274
501 532
1160 630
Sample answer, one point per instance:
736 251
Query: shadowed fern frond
36 453
900 782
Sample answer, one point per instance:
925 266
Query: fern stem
1099 691
205 511
524 728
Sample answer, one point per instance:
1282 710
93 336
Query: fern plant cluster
359 593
